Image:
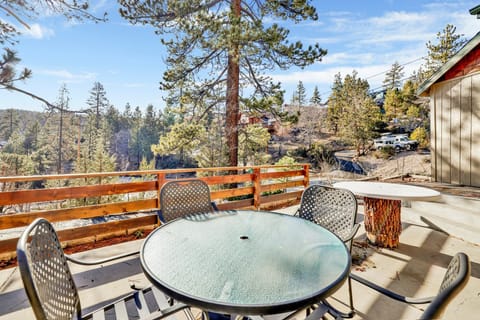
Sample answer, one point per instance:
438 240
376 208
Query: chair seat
52 293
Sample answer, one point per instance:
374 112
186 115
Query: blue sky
366 36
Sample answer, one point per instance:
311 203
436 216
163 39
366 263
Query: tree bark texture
232 107
382 221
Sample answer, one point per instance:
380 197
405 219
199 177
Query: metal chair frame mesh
334 209
183 197
52 292
453 271
455 279
55 295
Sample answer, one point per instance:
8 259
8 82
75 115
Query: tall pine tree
217 47
316 99
393 78
448 43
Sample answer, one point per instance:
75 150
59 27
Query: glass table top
245 262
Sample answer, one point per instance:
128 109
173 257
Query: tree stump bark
382 221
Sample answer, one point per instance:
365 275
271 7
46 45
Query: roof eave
475 10
469 46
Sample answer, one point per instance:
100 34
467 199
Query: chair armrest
390 293
100 261
352 233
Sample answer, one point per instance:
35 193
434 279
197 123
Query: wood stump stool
382 221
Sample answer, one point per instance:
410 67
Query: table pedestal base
382 221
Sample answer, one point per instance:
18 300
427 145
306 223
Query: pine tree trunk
232 107
382 221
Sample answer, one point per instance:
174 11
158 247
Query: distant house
267 121
454 92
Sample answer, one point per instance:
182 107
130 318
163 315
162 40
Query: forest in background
100 138
208 67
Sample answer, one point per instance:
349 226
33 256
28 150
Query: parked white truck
398 142
406 143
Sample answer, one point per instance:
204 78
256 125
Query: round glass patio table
245 262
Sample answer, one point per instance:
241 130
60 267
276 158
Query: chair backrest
183 197
45 273
333 208
456 277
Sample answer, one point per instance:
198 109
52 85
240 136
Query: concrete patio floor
415 269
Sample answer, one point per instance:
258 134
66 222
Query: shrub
384 153
420 134
321 154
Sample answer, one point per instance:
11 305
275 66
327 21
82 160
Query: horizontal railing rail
133 197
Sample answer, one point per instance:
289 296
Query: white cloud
69 77
100 5
397 18
37 31
370 45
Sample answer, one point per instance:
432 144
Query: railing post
306 175
256 188
160 182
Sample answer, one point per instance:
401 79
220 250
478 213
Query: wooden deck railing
61 198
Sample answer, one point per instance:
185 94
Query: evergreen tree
335 104
230 41
13 159
44 155
294 99
417 111
8 123
183 139
97 160
97 103
135 146
30 143
149 133
127 117
393 104
253 145
393 77
63 128
301 94
356 112
213 152
113 118
448 43
316 99
102 161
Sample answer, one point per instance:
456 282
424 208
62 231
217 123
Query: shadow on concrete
17 299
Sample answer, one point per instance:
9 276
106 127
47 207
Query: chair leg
350 293
339 314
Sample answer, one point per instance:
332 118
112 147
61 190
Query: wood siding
455 130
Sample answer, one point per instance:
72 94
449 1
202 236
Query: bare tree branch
34 96
13 14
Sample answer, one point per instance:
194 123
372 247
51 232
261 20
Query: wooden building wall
455 130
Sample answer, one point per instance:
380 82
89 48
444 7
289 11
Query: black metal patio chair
179 198
455 279
336 210
51 290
